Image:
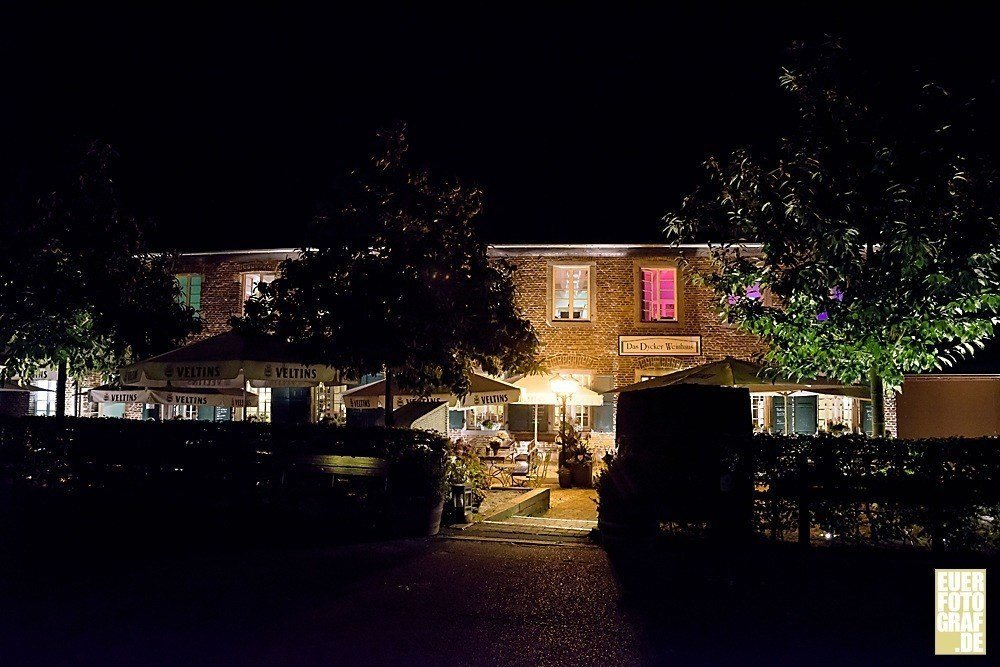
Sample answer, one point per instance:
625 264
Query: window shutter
604 415
805 414
778 414
290 405
195 295
519 419
456 420
648 304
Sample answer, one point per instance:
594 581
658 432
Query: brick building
608 315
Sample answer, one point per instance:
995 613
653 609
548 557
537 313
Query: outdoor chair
524 463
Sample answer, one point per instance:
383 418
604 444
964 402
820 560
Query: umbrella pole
244 399
785 397
535 409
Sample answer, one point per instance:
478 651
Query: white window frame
656 294
576 414
186 412
263 410
185 297
43 403
249 280
572 292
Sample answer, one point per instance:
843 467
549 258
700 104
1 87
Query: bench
326 470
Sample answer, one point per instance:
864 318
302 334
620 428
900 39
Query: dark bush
170 466
940 494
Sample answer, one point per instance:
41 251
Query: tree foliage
79 284
397 279
876 221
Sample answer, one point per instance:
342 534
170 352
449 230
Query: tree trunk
389 421
878 404
61 381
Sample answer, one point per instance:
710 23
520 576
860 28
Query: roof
503 248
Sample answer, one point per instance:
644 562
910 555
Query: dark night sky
582 125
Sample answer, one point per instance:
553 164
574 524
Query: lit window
484 417
190 291
328 402
577 415
758 412
262 412
571 293
659 295
185 412
252 280
43 403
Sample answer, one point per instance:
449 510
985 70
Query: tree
877 226
397 281
82 290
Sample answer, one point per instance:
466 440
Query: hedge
933 494
231 460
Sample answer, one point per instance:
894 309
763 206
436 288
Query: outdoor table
495 468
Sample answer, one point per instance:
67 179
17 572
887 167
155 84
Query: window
758 412
659 295
328 402
184 412
485 417
252 280
263 410
43 403
190 296
571 293
577 415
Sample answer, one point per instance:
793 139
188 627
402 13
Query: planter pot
416 517
565 478
583 475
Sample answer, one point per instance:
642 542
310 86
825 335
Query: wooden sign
659 346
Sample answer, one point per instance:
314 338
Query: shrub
858 490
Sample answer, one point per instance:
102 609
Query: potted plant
581 465
468 479
565 477
575 456
419 483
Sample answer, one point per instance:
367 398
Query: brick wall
222 283
891 424
593 346
13 403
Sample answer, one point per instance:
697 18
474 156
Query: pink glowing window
659 295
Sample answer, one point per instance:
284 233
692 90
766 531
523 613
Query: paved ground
468 601
486 599
573 504
422 601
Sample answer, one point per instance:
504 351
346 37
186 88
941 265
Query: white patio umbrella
483 390
223 398
538 390
229 360
731 372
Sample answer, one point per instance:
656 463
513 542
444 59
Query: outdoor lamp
564 387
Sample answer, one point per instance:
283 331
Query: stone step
555 521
